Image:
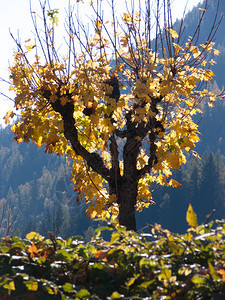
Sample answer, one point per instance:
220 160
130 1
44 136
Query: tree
121 106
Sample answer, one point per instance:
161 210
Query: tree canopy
121 103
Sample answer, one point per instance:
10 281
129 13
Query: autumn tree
118 101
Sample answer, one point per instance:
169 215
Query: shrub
154 265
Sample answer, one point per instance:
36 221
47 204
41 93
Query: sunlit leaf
32 250
83 294
191 217
31 285
116 295
213 272
130 281
198 280
68 287
10 286
222 273
173 33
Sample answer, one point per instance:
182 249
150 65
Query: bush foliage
154 265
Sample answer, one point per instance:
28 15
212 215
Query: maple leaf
30 47
173 33
175 183
216 52
222 273
32 250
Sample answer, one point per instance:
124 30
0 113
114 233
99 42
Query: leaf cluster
156 265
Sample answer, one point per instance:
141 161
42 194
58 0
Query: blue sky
15 17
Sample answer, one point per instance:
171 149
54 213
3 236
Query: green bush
154 265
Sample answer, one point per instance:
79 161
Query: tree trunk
125 186
127 201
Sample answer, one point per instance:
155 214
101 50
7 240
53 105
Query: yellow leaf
30 47
127 17
222 273
9 114
191 217
175 183
130 281
210 104
31 285
31 235
9 286
39 143
32 250
177 48
216 52
19 140
98 23
173 33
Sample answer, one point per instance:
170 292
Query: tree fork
70 131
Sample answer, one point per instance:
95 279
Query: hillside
35 191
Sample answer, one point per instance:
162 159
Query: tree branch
70 131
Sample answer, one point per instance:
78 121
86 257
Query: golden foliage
170 81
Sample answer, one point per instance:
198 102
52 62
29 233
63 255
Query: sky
15 18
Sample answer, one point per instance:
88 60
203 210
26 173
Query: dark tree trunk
127 195
128 188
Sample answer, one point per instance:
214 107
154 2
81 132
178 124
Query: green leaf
144 261
92 249
191 217
146 284
52 13
213 272
121 228
116 295
184 271
130 281
4 249
165 274
41 260
68 287
83 294
115 237
198 280
19 245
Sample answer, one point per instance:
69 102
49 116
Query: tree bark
128 188
127 196
70 131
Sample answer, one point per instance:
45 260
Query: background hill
35 189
